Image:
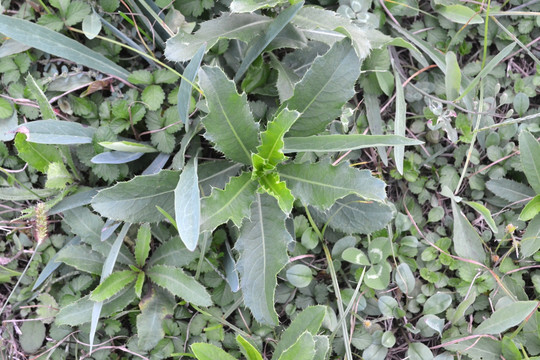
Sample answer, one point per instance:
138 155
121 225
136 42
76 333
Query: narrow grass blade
52 265
184 92
44 39
262 42
399 122
187 205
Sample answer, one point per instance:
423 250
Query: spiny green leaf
229 124
529 149
187 205
39 156
272 138
302 349
153 97
286 78
142 244
327 85
173 253
262 240
321 184
278 189
139 284
179 284
249 351
47 113
112 285
231 203
467 242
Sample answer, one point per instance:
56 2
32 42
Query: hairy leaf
112 285
178 283
136 200
231 203
338 142
263 240
187 205
229 124
321 184
529 149
467 242
399 122
323 90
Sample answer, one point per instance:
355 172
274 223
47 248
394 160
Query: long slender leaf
531 209
184 91
187 205
47 113
49 41
154 309
262 240
112 285
530 242
399 121
529 149
506 317
53 264
229 124
486 214
56 132
373 114
263 41
337 142
467 242
116 157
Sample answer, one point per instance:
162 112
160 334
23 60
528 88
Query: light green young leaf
399 121
47 112
271 146
247 6
112 285
452 78
232 203
204 351
136 200
326 86
179 284
321 184
142 244
460 14
531 209
154 309
187 205
244 27
81 257
272 184
530 242
229 124
184 91
56 132
338 142
467 242
309 320
128 146
419 351
262 240
153 97
486 214
39 156
463 306
530 159
141 277
506 317
262 41
510 190
52 42
58 176
91 25
302 349
248 350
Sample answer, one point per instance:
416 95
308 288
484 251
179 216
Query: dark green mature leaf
81 257
80 311
510 190
232 203
530 242
506 317
467 242
47 112
32 334
244 27
142 244
204 351
262 240
302 349
154 309
178 283
112 285
486 214
44 39
337 142
309 320
419 351
529 149
261 42
373 114
40 156
321 184
172 253
229 124
136 200
56 132
353 214
286 78
187 205
324 89
184 91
